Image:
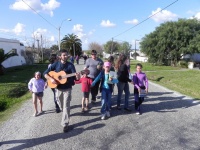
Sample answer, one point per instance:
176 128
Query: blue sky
93 21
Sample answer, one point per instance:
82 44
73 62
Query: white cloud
197 16
17 30
163 15
107 23
37 5
52 39
78 28
134 21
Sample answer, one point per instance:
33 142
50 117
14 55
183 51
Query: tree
4 57
96 46
125 47
54 48
72 43
111 47
171 40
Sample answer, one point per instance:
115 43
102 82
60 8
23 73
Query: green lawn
13 88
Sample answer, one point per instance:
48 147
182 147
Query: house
18 47
139 56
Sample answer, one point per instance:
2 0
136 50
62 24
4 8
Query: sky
92 21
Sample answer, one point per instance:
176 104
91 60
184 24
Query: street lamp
135 48
59 32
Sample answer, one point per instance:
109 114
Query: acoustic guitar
61 77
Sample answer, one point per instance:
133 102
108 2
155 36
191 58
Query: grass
184 81
13 88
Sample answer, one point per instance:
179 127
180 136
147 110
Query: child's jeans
138 102
105 100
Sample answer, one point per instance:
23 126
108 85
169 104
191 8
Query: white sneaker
103 116
138 113
107 113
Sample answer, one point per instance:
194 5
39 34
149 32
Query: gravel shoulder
170 121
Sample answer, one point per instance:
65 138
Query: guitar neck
69 75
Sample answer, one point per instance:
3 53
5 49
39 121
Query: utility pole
38 51
112 47
41 47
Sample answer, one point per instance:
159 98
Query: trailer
18 47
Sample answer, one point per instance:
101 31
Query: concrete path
169 121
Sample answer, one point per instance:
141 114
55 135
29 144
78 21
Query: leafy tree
71 42
111 47
54 48
125 47
171 40
4 57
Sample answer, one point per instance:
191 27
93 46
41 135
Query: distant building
19 48
139 56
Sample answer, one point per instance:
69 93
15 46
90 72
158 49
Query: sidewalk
170 121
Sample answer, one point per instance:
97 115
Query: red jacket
86 83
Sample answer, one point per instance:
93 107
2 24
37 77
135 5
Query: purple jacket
140 79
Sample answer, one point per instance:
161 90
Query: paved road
170 121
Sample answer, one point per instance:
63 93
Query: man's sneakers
58 110
138 113
103 116
65 129
108 114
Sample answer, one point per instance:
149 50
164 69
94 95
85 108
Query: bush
3 105
183 64
18 91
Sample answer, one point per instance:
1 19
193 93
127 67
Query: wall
9 44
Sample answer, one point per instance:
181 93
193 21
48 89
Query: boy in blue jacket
106 89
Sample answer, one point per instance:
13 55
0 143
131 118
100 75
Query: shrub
3 105
183 64
18 91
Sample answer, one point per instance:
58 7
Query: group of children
37 85
106 88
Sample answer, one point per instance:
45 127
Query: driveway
169 121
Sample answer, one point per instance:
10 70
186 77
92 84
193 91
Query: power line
40 15
146 19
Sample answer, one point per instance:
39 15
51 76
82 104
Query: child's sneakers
103 116
107 113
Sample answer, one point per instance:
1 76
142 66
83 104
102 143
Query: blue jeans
138 102
105 100
122 86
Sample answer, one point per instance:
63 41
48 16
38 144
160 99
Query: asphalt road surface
169 121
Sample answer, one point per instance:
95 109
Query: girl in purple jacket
140 82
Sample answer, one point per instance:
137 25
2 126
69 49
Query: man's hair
93 52
62 51
52 58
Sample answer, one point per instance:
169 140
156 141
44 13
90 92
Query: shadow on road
29 143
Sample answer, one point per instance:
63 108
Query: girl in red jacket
86 84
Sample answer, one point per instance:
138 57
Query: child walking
140 82
37 85
106 88
86 84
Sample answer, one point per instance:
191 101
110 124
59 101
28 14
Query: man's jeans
54 97
63 97
105 101
122 86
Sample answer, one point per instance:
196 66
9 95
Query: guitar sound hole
59 77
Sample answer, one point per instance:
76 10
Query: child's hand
146 90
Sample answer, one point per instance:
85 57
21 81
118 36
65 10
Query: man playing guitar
63 91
